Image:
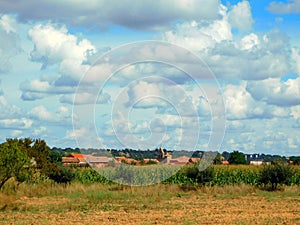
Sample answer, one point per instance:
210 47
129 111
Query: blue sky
55 59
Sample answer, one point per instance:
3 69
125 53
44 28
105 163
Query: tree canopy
237 157
14 162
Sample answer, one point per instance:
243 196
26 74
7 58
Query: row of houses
252 159
163 158
104 161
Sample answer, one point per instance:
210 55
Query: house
126 160
179 161
74 160
225 162
254 159
100 161
256 162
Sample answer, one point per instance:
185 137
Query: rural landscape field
159 204
149 112
49 191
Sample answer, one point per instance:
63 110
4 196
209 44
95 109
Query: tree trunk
3 181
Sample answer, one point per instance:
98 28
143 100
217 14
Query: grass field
159 204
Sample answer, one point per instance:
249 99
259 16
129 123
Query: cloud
295 112
61 116
41 113
53 44
136 14
198 35
237 101
41 88
293 6
8 24
16 133
240 16
9 43
276 92
22 123
85 98
249 42
267 56
240 104
146 95
296 60
8 111
39 131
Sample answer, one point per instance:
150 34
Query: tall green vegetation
272 176
237 157
22 158
28 160
14 162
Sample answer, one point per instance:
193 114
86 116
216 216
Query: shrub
197 176
237 157
272 176
61 174
13 162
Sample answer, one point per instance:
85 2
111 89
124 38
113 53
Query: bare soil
192 207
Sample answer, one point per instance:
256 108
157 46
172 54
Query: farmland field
159 204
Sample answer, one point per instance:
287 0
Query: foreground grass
159 204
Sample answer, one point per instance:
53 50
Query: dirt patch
190 208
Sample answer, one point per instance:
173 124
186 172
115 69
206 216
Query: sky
181 74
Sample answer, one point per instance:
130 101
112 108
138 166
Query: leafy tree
60 174
46 160
200 177
55 157
296 160
14 162
218 159
271 176
237 157
226 155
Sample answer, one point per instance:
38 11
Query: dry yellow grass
159 204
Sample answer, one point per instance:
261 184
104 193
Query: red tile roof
77 155
80 157
225 162
70 160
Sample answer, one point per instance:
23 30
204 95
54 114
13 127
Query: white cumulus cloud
240 16
292 6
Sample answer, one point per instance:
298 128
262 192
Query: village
163 158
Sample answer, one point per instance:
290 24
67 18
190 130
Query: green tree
14 162
296 160
271 176
201 177
218 159
237 157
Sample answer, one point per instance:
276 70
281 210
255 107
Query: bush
237 157
61 174
272 176
14 162
196 176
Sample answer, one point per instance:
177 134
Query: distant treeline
152 154
33 162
